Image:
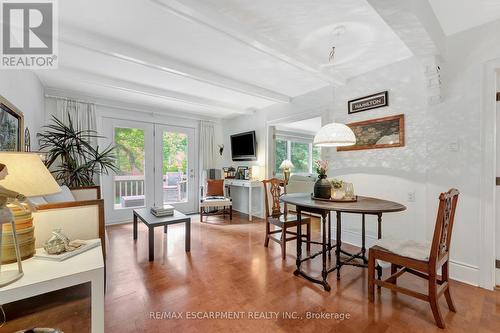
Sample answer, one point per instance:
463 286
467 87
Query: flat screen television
244 146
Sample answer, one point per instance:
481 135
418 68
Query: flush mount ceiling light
334 135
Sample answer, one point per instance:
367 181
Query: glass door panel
133 185
129 189
177 182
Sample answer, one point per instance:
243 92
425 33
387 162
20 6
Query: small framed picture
368 102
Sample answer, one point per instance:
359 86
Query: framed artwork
368 102
11 127
384 132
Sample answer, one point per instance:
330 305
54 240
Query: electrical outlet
411 197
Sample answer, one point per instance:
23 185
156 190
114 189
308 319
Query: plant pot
322 188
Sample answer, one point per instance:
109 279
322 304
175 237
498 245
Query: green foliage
74 161
175 149
281 153
300 157
129 151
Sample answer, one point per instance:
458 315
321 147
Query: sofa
300 184
79 212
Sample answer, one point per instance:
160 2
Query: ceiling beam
137 88
415 23
199 13
123 51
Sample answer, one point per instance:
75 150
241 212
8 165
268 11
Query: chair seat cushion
215 202
419 250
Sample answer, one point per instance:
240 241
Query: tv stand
249 184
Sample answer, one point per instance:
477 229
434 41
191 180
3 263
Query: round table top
363 205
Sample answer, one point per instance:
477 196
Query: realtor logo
28 34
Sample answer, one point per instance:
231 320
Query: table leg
188 236
338 244
97 302
135 226
363 239
379 235
298 261
324 273
165 228
151 235
250 203
329 236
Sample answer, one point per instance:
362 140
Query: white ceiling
460 15
308 126
216 58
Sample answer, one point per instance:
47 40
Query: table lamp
21 175
286 165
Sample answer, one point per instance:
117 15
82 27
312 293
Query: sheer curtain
207 149
82 115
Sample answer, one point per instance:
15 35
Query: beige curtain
82 115
207 145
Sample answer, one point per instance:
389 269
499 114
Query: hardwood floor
229 269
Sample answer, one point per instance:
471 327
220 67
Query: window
281 153
300 151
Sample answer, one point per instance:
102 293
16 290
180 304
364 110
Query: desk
43 276
245 184
364 206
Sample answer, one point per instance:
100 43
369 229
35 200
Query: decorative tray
333 200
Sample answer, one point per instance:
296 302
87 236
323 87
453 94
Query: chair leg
266 242
371 276
308 246
433 300
394 269
231 213
201 214
447 294
283 243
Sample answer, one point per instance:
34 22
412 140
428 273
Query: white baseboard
459 271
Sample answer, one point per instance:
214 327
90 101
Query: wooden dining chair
282 220
421 259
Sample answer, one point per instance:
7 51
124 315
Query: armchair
82 218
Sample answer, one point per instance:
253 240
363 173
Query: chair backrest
444 225
173 178
272 193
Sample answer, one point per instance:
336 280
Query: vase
322 188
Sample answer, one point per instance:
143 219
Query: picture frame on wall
370 102
386 132
11 127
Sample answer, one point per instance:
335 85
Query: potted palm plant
71 156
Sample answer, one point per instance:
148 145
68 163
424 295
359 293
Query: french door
156 166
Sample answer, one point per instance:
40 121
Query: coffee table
151 221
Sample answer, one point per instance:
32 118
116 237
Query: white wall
387 173
23 89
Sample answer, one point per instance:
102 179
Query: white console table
43 276
245 184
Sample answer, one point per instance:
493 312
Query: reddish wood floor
229 269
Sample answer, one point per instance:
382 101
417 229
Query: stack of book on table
166 210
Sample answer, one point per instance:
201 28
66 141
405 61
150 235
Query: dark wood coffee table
152 221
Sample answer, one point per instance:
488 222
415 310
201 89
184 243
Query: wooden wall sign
384 132
368 102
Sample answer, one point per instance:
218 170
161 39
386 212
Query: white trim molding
487 214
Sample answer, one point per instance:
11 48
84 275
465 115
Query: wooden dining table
363 206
